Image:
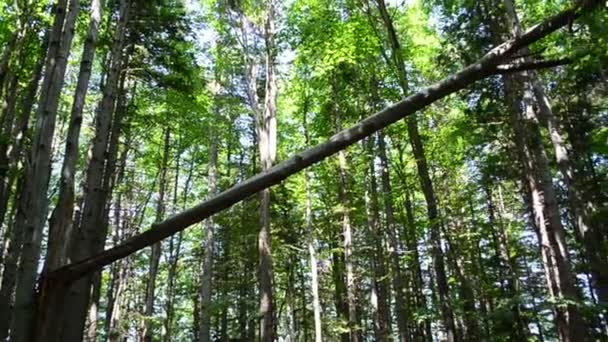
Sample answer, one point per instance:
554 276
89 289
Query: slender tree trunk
347 233
109 180
115 271
6 129
91 229
9 272
290 318
339 286
148 332
174 254
32 210
173 267
425 180
267 135
466 295
556 259
425 326
207 271
436 249
311 243
380 286
20 130
397 276
7 52
61 224
8 119
411 236
582 214
512 288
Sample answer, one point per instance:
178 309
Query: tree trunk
148 332
6 129
456 257
588 233
174 252
61 224
7 52
397 276
433 215
339 286
32 210
267 135
504 252
208 246
20 130
380 286
351 296
120 222
90 231
9 272
424 328
425 181
109 180
311 243
556 259
411 236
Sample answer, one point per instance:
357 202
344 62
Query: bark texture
267 136
554 250
207 271
61 224
147 329
15 237
91 229
33 204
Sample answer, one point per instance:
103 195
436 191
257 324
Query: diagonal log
482 68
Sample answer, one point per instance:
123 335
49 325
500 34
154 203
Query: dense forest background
472 210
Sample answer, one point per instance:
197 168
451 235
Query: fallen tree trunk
489 64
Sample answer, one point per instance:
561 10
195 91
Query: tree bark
121 223
425 181
91 229
339 285
32 210
174 253
6 129
61 223
504 252
347 233
556 259
395 245
456 255
311 244
20 129
148 332
267 136
380 286
485 66
208 246
582 214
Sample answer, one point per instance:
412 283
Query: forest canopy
303 170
